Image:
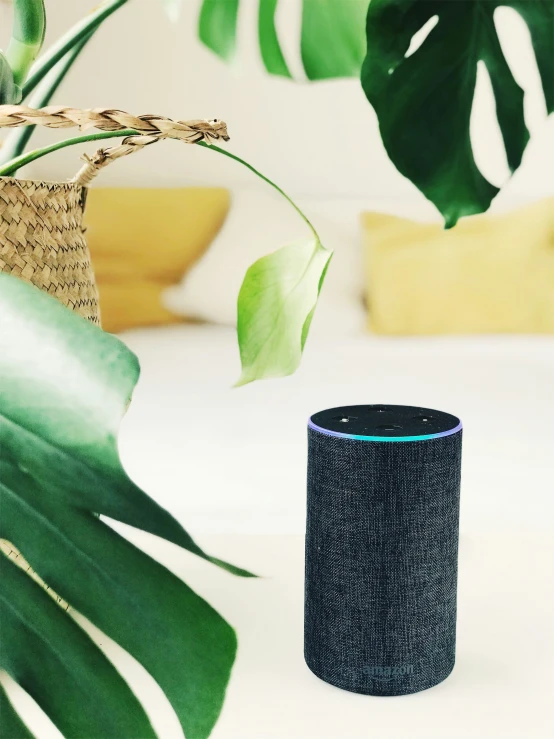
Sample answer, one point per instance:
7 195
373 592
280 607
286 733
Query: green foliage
332 42
64 385
48 72
275 308
279 293
274 315
10 93
15 142
11 727
55 661
217 26
270 48
423 101
29 21
28 31
68 41
277 300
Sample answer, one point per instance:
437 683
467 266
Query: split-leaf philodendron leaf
333 42
423 101
64 386
217 26
275 307
270 48
11 726
58 665
332 36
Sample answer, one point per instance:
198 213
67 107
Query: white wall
312 138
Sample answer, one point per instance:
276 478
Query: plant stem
16 141
68 41
265 179
12 166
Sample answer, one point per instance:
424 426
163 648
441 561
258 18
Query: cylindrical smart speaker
382 547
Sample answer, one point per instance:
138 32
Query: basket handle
150 128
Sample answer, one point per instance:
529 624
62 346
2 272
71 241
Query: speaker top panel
385 422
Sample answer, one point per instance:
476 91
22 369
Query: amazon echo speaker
382 547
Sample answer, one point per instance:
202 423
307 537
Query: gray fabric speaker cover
381 551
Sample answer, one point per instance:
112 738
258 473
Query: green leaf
182 642
59 666
29 21
77 427
332 44
64 385
10 93
16 141
278 353
64 44
11 727
333 40
270 48
277 299
423 101
275 307
539 16
29 27
217 27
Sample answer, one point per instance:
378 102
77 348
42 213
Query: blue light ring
423 437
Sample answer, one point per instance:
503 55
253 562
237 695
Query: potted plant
64 387
42 232
28 83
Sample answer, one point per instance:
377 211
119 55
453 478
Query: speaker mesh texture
381 562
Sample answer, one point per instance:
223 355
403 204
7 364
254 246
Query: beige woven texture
150 129
41 233
42 241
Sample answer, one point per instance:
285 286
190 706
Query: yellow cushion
144 240
489 274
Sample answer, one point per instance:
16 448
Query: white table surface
231 466
501 688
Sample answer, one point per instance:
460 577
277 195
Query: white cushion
261 221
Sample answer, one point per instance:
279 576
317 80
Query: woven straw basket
42 238
42 241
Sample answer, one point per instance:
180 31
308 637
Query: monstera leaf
423 100
217 26
333 43
12 725
332 37
276 304
64 385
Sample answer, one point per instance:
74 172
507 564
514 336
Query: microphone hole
344 419
423 418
